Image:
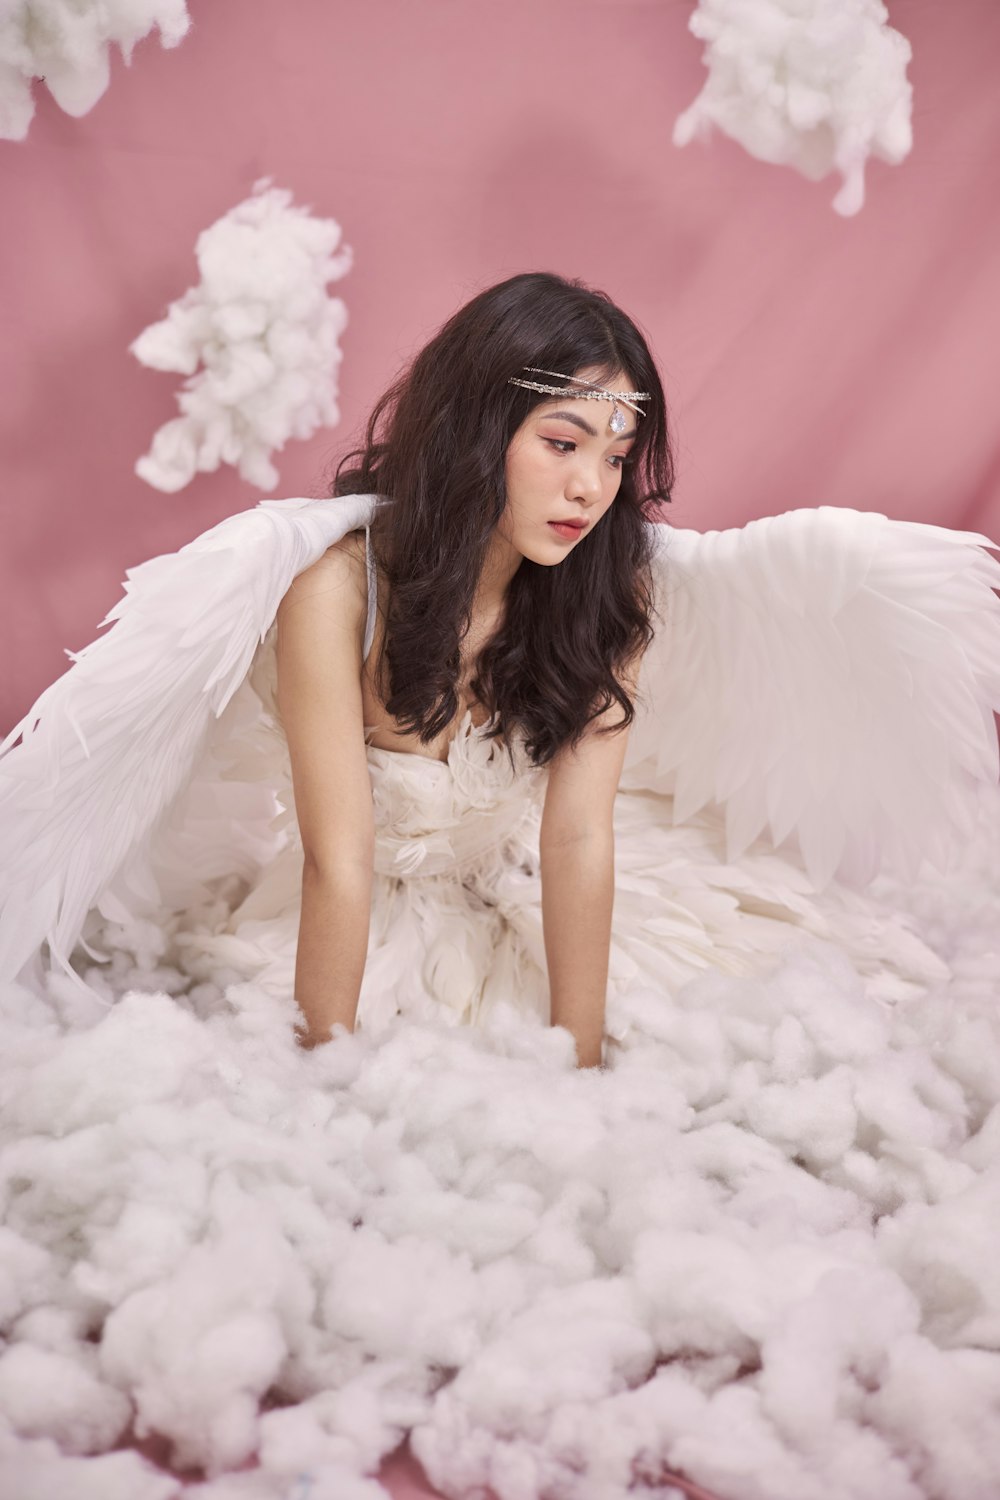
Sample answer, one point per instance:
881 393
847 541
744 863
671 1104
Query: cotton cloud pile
265 334
68 46
759 1249
819 85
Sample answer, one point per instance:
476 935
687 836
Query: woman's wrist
309 1034
307 1038
589 1060
584 1020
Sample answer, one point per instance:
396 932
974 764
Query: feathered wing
826 674
92 770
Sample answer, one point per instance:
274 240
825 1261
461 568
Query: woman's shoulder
344 558
338 574
350 546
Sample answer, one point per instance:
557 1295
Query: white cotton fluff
828 1347
201 1346
45 1394
36 1470
148 1049
819 85
946 1252
326 1481
553 1281
945 1405
257 339
353 1424
27 1275
68 46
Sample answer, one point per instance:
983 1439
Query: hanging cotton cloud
67 43
819 85
258 339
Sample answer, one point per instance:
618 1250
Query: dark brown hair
436 445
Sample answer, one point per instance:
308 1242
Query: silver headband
616 422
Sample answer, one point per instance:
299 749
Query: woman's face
564 464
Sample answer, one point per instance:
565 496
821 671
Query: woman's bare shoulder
340 573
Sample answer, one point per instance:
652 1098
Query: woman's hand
310 1033
307 1039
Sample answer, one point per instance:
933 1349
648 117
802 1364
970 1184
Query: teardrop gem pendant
617 421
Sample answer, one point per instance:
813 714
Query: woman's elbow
339 861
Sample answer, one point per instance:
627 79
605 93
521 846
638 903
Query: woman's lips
564 529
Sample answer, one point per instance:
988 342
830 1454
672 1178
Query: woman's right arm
321 623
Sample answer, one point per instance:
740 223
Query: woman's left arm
578 879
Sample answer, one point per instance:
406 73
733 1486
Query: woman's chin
549 556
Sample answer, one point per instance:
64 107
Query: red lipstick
568 530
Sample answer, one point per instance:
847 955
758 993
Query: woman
481 724
513 593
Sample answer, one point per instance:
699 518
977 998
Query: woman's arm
321 624
578 880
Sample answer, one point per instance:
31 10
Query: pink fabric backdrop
808 359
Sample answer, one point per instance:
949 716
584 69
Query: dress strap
372 594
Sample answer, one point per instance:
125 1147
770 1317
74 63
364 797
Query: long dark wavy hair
436 445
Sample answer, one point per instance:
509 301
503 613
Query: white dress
456 912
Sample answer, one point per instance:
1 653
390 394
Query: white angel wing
108 746
827 674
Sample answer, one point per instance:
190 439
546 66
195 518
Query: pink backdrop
808 359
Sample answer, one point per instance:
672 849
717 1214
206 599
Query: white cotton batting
46 1394
819 85
36 1470
257 338
555 1281
68 46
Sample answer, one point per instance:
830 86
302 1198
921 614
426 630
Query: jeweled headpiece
592 392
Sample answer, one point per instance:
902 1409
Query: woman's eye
561 445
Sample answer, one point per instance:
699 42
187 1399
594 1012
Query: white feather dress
816 711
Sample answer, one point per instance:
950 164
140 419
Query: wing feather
825 675
94 766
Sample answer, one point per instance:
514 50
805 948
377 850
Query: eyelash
564 446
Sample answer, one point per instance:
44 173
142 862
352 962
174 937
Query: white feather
828 675
109 746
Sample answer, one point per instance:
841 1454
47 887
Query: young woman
523 739
513 592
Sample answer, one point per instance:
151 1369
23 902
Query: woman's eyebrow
571 416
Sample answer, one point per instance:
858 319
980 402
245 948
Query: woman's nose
585 484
